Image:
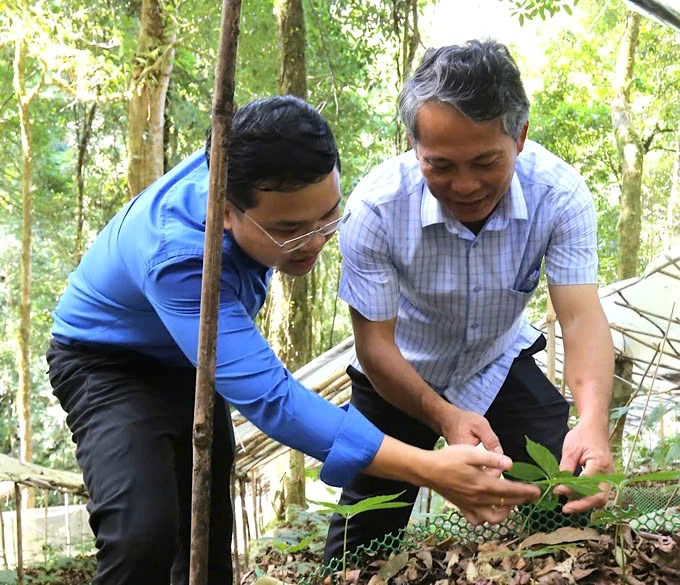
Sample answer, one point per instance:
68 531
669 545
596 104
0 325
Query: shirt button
474 325
477 288
475 244
467 350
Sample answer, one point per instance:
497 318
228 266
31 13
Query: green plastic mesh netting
653 509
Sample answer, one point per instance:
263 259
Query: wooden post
46 502
550 320
20 552
223 108
234 529
2 538
244 521
67 514
253 493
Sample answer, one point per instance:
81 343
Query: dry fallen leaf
560 536
393 565
426 557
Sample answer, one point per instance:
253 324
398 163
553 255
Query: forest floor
567 556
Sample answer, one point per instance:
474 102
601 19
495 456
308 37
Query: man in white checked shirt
441 254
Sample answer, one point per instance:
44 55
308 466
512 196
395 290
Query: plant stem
344 551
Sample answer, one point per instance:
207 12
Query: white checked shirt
459 298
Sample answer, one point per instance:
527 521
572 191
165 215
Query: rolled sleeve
369 281
571 256
252 379
355 445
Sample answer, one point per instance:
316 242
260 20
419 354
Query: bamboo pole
550 319
20 551
234 529
223 108
2 538
253 493
245 525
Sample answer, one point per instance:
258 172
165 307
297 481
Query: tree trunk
291 309
673 207
152 67
630 151
24 391
405 29
84 134
623 372
631 157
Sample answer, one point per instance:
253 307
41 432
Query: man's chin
295 270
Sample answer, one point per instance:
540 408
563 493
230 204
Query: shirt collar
512 206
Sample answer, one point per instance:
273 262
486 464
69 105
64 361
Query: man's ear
228 216
522 138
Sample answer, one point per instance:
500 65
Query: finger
585 504
488 459
488 438
562 490
493 514
472 517
569 461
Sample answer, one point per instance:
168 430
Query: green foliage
529 9
348 511
547 475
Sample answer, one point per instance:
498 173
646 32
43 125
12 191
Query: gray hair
479 78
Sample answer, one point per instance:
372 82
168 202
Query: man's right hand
471 478
467 428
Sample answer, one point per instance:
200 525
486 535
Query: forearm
589 365
399 384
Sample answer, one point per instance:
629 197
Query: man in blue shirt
122 361
441 254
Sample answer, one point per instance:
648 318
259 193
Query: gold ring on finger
502 502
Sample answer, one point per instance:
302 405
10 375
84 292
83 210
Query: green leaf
525 471
548 502
543 457
618 412
668 475
376 503
581 487
343 510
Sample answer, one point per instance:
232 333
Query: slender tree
24 99
152 67
291 309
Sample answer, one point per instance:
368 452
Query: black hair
479 78
277 144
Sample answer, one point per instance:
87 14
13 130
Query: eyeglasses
298 242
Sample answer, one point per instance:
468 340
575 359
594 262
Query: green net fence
652 509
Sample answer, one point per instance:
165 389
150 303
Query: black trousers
131 419
527 404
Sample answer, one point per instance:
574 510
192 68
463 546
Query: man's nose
464 184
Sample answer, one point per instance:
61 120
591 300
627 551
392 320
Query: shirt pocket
509 307
528 284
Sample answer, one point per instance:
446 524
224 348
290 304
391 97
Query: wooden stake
223 108
244 521
550 320
20 551
253 493
236 566
2 538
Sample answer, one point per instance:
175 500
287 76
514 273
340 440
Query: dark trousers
131 419
527 404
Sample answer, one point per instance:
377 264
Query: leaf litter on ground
566 556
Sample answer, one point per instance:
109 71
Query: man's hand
586 446
468 428
471 478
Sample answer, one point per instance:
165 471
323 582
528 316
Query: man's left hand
586 446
